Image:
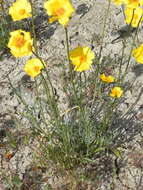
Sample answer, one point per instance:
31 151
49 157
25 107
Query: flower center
36 69
83 59
60 11
136 1
19 41
22 11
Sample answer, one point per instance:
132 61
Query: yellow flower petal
107 79
116 92
20 43
133 3
82 58
134 16
59 10
118 2
20 9
33 67
138 54
53 19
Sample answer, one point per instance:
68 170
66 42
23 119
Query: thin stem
51 86
128 62
3 11
108 112
104 27
53 106
39 102
35 52
121 62
4 23
100 52
48 78
33 27
68 54
31 116
70 66
85 79
122 6
95 85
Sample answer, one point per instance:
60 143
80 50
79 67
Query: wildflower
107 79
133 16
20 9
138 54
33 67
118 2
82 58
20 43
116 92
133 3
60 10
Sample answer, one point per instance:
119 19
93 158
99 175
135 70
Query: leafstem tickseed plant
129 3
72 135
59 10
116 92
20 9
20 43
107 79
133 3
138 54
118 2
134 16
33 67
82 58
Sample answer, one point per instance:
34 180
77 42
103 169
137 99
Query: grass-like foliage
71 138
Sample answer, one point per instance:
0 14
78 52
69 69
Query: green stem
70 66
33 27
96 89
40 103
50 83
48 78
35 52
108 112
3 11
104 27
122 6
4 23
121 62
53 106
85 79
31 116
68 54
100 53
130 54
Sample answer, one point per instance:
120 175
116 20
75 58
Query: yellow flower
133 3
20 9
107 79
138 54
60 10
82 58
33 67
134 15
116 92
118 2
20 43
